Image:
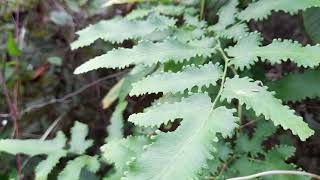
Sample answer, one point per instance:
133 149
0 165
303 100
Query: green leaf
73 169
262 9
235 32
263 102
170 10
45 167
147 53
189 77
188 148
78 142
12 46
254 145
247 51
117 30
292 87
227 15
115 130
121 152
60 17
312 24
34 147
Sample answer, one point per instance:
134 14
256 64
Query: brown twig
66 97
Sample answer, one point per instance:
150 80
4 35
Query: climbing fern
196 68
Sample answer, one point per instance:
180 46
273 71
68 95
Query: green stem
202 5
226 64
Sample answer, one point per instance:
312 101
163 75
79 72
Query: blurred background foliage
37 66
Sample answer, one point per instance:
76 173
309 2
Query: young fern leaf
247 51
73 169
188 148
116 30
121 152
297 81
52 148
262 9
254 145
147 53
34 147
263 102
189 77
78 143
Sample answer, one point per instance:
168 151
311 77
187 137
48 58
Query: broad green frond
226 16
147 53
188 148
263 102
170 10
45 167
78 142
292 87
274 160
247 51
117 30
188 78
34 147
116 122
122 151
154 115
73 169
262 9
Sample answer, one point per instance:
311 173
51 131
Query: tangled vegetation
214 115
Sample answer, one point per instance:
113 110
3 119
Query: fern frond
34 147
73 169
78 143
188 78
227 15
247 51
121 152
116 122
193 20
235 32
189 147
154 115
292 87
263 102
169 10
147 53
45 167
262 9
116 30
